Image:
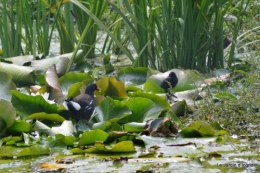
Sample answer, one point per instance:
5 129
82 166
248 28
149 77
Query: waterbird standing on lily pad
169 83
82 106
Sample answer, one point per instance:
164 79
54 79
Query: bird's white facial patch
75 105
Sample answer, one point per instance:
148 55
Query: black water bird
82 106
226 42
169 83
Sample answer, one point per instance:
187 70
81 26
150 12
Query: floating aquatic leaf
52 80
7 115
201 129
21 75
26 105
139 107
111 87
90 137
71 82
110 109
6 85
130 75
20 126
45 116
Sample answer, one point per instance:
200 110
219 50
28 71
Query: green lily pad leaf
225 96
7 115
134 127
161 104
34 150
90 137
216 125
11 138
68 140
102 125
6 86
132 88
21 75
26 105
173 116
83 66
71 82
20 60
120 136
20 126
140 107
108 66
52 80
108 126
179 107
111 109
45 116
62 65
111 87
187 80
124 146
99 147
44 64
133 76
120 147
77 151
199 129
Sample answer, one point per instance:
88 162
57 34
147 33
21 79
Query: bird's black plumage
82 106
169 83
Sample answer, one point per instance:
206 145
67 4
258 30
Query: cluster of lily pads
131 104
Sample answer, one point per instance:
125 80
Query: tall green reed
171 33
97 8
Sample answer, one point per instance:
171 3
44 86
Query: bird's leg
169 91
172 94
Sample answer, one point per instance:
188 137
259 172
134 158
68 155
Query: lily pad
90 137
120 147
134 127
71 83
111 110
20 126
21 75
201 129
45 116
35 150
52 81
6 85
179 107
139 107
225 96
133 76
44 64
111 87
108 126
160 104
26 105
7 115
